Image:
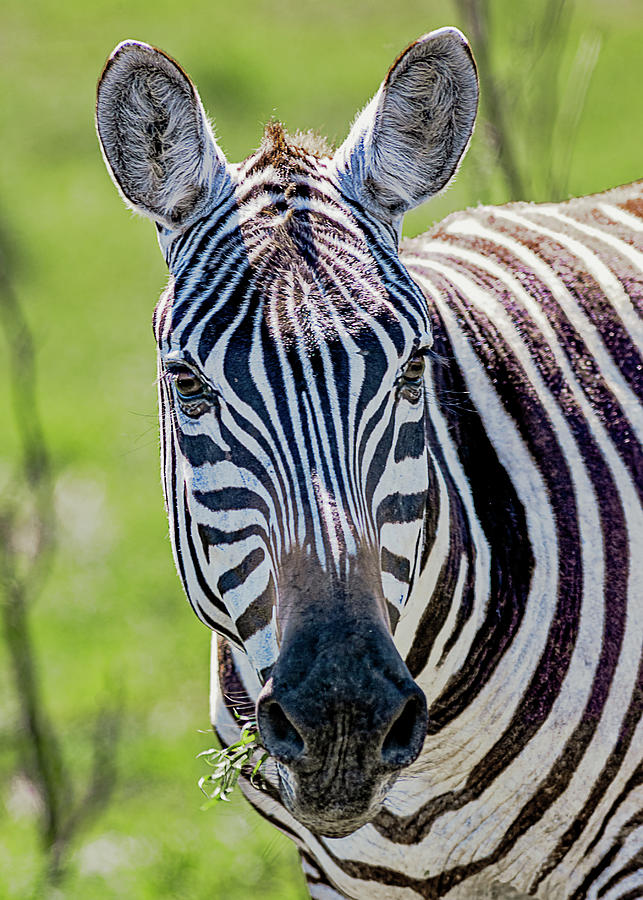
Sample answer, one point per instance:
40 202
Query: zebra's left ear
408 142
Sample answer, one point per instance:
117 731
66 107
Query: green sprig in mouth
229 763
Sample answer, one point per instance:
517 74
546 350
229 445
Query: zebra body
405 491
531 774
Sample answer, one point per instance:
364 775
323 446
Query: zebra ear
408 142
155 137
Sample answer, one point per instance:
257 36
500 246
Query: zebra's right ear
408 142
155 137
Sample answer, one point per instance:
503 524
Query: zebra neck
469 598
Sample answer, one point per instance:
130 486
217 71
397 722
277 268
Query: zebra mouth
332 811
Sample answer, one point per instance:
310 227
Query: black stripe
398 566
400 508
259 612
237 576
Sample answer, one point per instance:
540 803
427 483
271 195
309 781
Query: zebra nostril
280 737
406 735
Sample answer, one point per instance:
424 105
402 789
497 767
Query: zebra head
291 357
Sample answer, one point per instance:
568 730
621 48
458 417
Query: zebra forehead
289 259
292 282
307 288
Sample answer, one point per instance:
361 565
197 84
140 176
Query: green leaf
228 763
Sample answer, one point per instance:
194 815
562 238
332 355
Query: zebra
403 485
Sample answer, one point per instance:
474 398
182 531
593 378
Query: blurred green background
110 626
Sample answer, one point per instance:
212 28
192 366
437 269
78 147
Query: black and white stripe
302 433
524 624
494 507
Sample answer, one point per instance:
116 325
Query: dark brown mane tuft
274 146
278 146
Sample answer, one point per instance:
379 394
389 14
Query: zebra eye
412 378
187 385
194 396
415 369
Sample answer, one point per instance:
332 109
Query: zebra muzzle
342 717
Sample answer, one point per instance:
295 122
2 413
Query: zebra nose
406 735
387 729
280 736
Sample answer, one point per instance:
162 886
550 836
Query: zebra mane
278 145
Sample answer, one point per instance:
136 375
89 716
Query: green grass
112 618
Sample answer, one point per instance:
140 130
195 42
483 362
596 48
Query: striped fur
490 510
293 416
524 625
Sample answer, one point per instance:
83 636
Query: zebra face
292 346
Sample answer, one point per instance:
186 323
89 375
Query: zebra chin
332 814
